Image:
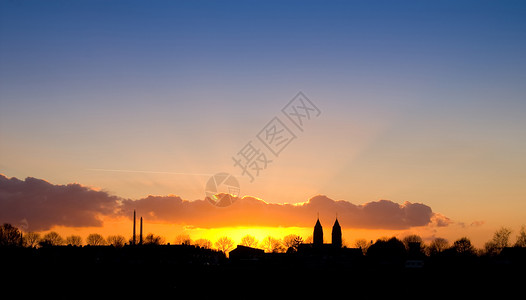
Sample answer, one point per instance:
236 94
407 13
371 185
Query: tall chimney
140 234
133 238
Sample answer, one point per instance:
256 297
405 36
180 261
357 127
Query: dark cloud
39 205
250 211
44 205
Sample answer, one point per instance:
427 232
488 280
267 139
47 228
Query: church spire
317 237
336 234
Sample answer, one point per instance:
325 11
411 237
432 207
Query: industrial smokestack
140 234
133 238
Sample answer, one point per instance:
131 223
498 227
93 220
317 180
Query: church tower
336 234
317 237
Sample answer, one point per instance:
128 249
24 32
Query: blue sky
420 101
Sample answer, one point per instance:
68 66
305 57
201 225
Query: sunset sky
136 104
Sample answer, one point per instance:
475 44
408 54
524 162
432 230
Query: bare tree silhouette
183 239
51 239
501 239
152 239
414 245
203 243
463 247
411 240
31 239
292 242
521 238
437 246
116 240
10 236
272 245
249 241
95 239
74 240
224 244
362 244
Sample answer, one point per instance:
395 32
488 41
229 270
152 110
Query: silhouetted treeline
115 268
412 245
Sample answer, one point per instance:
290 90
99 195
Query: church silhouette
317 237
334 249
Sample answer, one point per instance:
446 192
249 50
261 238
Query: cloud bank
44 205
40 205
250 211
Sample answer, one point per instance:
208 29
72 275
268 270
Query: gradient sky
420 101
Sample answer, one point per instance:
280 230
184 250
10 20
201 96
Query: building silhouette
318 253
336 234
317 237
140 233
244 253
133 236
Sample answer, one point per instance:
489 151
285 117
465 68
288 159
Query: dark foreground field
148 274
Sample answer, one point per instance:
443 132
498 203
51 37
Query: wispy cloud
147 172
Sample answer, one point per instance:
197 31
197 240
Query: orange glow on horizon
123 226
